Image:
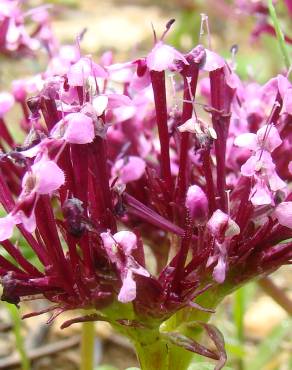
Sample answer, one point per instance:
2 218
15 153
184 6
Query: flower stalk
87 346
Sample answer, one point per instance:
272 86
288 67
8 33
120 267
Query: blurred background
257 330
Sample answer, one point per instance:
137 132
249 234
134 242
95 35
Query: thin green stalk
238 316
279 34
87 346
14 314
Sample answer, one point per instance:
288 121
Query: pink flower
162 57
267 137
75 128
45 177
119 248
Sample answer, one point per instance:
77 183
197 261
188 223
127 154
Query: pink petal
6 227
81 70
80 129
260 195
99 104
118 100
269 138
248 141
283 85
249 167
283 212
128 290
110 246
287 102
213 61
29 223
221 225
49 176
127 241
217 223
219 271
6 103
275 182
129 169
162 57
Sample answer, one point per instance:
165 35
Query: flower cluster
148 182
15 38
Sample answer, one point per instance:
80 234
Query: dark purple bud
73 213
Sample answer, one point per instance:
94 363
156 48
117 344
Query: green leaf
270 345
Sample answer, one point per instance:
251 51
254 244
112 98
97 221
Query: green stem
279 34
151 350
87 346
14 314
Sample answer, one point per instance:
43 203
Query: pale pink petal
287 102
219 271
221 225
248 141
162 57
283 85
275 182
48 176
250 166
99 104
129 169
6 227
128 290
80 129
269 138
81 70
261 195
110 246
118 100
6 102
217 223
127 241
140 82
29 223
213 61
283 212
290 167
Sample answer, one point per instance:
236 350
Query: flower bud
197 204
